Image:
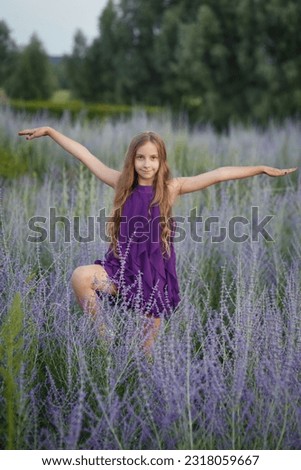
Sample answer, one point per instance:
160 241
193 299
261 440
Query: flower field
226 370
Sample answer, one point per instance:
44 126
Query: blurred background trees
8 50
221 61
32 78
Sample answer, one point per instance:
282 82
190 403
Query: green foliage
59 73
181 155
17 162
221 61
32 78
11 166
61 96
77 108
101 63
7 53
11 359
75 67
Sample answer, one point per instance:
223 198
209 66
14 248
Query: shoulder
174 188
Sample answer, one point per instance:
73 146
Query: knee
79 278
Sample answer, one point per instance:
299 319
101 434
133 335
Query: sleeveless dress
145 278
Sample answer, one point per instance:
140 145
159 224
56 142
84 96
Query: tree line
221 60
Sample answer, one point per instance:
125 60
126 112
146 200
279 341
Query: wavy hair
127 182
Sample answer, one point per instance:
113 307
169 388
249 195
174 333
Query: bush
76 108
16 162
11 166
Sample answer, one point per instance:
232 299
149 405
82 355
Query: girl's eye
140 157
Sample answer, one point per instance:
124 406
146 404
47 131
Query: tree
165 54
8 51
76 67
32 78
222 60
207 69
141 22
103 59
281 70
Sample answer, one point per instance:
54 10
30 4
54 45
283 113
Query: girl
140 263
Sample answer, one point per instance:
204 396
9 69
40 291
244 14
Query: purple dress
145 278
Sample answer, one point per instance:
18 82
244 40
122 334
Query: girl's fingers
286 171
290 170
34 133
26 132
29 133
279 172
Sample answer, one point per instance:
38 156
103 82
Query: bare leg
150 332
85 281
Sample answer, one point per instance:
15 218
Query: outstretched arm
100 170
190 184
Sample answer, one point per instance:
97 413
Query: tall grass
226 369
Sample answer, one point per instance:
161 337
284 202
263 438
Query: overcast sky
54 21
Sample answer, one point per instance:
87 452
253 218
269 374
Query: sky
54 21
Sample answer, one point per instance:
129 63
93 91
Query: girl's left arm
189 184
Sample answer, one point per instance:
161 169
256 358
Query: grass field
226 372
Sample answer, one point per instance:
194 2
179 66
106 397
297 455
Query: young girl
140 264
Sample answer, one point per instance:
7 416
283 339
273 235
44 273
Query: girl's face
147 163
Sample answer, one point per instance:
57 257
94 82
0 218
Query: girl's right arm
100 170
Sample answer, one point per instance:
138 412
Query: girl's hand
35 133
268 170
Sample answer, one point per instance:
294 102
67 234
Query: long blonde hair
127 182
